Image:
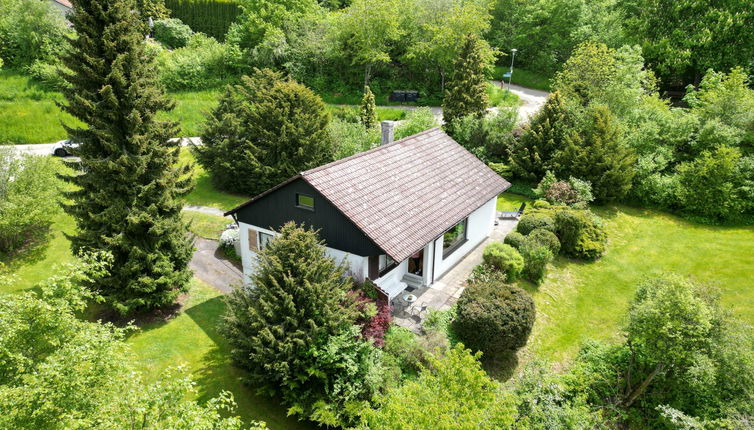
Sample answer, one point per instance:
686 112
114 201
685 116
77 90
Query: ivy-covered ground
581 300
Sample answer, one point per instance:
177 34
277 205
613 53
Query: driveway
210 266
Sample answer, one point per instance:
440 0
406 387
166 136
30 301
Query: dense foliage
202 63
684 360
368 111
504 258
264 131
452 392
60 372
172 32
128 183
581 234
535 220
466 91
29 193
30 31
492 316
293 330
211 17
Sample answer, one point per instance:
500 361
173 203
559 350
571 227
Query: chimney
388 132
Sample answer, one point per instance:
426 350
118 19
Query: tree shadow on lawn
31 252
218 373
500 366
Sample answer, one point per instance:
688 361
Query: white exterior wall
479 228
358 266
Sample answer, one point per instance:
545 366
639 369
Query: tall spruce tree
296 301
466 92
264 131
368 111
128 185
533 154
595 153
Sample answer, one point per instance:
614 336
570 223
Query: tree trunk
638 391
367 72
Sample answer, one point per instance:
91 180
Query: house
64 7
401 214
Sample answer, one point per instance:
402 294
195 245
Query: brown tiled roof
405 194
65 3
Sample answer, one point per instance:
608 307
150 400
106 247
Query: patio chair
513 214
417 309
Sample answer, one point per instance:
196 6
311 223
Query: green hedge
211 17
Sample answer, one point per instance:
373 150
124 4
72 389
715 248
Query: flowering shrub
568 192
229 238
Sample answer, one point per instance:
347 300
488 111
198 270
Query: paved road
46 148
532 101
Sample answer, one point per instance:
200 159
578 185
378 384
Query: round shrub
493 317
532 221
546 238
541 204
504 258
581 234
514 239
172 32
536 258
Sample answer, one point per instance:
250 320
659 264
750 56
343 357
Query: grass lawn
205 193
192 339
525 78
578 301
499 97
191 107
205 225
28 113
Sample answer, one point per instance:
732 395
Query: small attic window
305 202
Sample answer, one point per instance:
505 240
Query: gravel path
206 210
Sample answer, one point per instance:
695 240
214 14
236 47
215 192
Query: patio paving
445 291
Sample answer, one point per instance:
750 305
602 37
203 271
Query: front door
416 264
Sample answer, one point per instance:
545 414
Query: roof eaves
259 196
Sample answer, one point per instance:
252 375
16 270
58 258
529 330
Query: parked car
63 148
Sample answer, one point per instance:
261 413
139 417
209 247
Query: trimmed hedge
172 32
514 239
531 221
211 17
581 234
546 238
504 258
493 317
536 258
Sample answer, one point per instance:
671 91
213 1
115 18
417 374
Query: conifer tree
533 154
368 111
154 9
128 185
295 302
466 92
264 131
597 154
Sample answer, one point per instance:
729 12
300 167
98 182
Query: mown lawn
579 301
205 193
205 225
192 339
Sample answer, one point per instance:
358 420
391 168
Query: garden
620 301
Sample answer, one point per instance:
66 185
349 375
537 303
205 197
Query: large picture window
454 238
386 264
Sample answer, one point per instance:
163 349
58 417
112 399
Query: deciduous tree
128 183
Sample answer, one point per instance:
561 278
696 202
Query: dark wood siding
275 209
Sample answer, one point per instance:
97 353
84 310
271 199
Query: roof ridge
363 153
